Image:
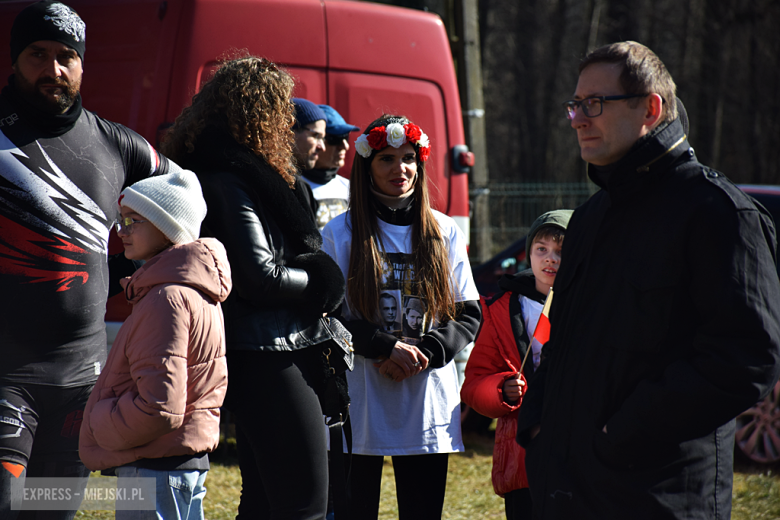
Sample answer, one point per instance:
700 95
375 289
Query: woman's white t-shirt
421 414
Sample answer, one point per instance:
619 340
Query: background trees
723 54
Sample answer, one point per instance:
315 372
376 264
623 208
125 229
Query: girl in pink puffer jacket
154 411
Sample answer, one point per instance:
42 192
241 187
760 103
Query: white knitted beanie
173 203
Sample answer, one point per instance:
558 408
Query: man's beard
33 95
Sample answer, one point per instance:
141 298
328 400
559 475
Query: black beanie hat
47 20
307 112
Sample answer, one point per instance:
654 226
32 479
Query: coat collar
522 283
202 265
647 160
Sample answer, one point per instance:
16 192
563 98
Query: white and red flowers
394 135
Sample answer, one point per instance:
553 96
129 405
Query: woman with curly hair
237 137
404 388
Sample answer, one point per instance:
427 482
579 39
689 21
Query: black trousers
420 482
282 445
518 504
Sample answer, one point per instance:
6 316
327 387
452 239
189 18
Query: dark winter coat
665 326
282 281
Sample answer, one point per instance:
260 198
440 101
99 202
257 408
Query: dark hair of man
250 98
431 262
388 296
643 73
549 232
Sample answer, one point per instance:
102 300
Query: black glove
326 286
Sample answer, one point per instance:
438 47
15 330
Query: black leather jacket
282 282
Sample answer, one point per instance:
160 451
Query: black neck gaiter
320 176
49 124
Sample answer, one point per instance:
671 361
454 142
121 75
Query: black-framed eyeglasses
335 140
126 224
312 133
593 106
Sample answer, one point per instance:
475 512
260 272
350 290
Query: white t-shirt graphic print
422 413
398 297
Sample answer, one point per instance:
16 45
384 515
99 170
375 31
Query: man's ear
654 106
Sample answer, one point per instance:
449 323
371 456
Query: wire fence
514 206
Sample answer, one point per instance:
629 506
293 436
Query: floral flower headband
395 135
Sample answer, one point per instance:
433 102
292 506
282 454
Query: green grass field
469 491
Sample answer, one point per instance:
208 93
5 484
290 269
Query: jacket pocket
638 462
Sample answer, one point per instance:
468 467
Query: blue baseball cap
335 123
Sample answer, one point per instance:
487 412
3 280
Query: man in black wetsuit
61 171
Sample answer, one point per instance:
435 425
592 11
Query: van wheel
758 429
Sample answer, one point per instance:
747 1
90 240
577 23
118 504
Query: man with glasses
330 189
62 169
665 322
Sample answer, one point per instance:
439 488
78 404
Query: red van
145 59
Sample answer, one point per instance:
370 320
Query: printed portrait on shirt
415 322
388 312
402 312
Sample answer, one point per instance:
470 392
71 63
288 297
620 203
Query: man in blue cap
331 190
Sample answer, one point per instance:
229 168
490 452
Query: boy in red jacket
494 385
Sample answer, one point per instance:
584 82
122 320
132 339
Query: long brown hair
250 98
432 271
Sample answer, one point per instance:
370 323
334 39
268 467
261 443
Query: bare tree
723 55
